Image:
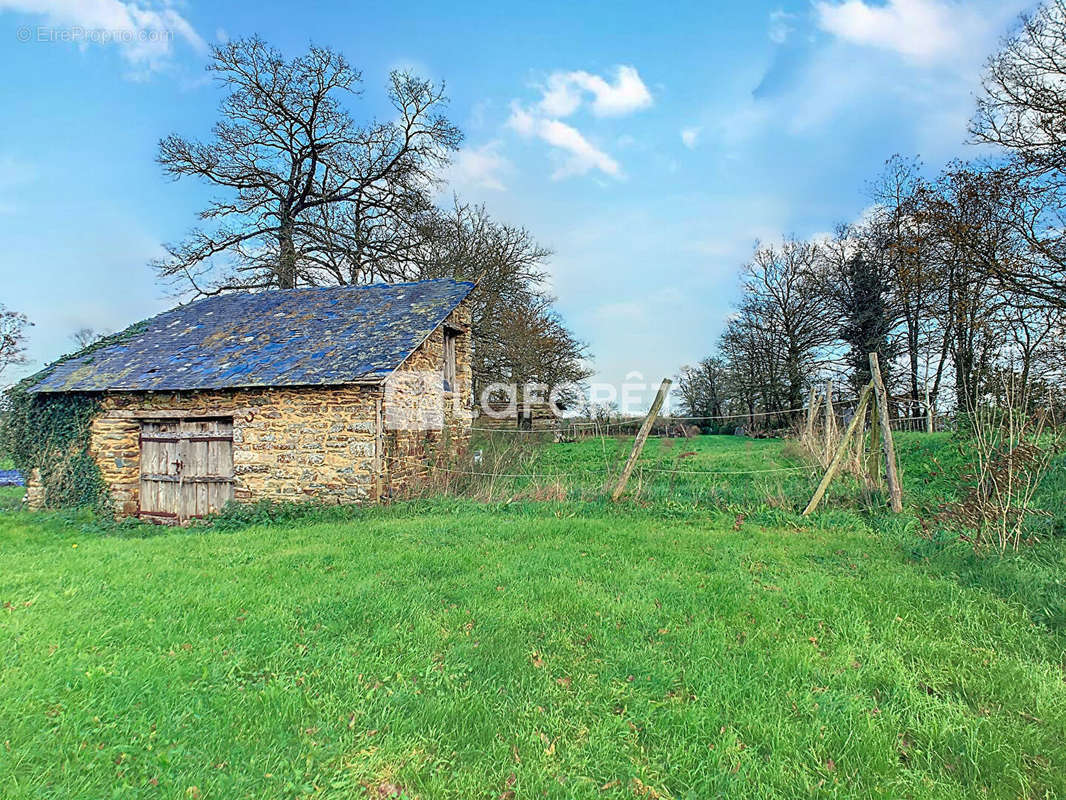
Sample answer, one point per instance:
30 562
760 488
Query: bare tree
1022 108
775 344
12 338
542 351
900 234
83 337
783 292
702 390
312 198
1023 103
308 195
1034 209
742 349
509 304
1028 348
975 242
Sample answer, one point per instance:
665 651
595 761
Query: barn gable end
406 450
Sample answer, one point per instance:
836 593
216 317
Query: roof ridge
344 287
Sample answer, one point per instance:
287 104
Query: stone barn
337 394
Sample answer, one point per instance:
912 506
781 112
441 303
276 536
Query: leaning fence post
895 492
873 456
642 437
842 450
859 443
830 420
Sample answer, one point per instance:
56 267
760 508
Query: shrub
1012 451
236 516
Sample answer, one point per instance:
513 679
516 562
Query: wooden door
186 467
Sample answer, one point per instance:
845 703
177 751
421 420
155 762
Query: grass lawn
703 471
445 649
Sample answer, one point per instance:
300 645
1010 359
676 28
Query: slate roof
292 337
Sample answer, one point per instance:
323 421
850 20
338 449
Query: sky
648 147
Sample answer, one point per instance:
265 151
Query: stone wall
289 444
409 451
35 495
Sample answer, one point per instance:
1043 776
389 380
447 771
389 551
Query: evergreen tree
866 324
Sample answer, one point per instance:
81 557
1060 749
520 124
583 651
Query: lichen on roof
294 337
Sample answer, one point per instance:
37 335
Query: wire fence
842 411
520 461
636 421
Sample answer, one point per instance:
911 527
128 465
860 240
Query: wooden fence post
895 492
812 409
642 437
842 450
859 444
873 457
830 421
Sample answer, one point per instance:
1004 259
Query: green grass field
701 640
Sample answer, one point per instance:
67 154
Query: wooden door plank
212 457
186 466
225 460
224 467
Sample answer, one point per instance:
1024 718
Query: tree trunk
286 255
912 347
795 379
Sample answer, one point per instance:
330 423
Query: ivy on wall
51 432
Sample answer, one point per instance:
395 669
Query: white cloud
690 136
581 155
584 155
480 167
565 91
780 26
522 121
144 34
922 30
563 94
922 58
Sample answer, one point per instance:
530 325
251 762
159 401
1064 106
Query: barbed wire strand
607 471
564 426
636 421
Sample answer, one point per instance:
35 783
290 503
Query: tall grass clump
504 466
1012 450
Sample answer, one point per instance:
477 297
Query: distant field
714 644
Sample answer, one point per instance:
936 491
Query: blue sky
649 147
